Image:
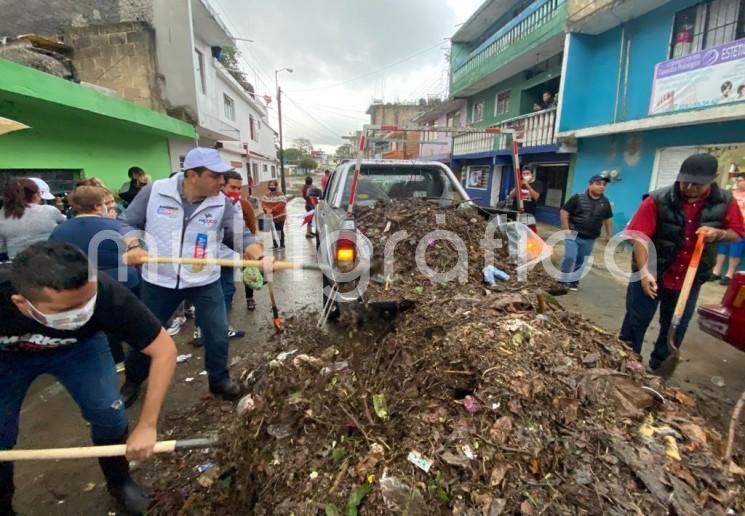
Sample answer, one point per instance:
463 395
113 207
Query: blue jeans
227 281
210 306
85 369
640 310
575 253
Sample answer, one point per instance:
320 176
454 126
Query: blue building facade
647 87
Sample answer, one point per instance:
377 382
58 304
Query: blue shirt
81 230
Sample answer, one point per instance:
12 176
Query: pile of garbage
475 402
454 246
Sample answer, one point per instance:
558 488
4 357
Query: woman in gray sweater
23 220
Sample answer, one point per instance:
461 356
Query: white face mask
69 320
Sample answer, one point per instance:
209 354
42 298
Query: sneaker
281 247
725 281
310 235
198 342
235 334
574 287
250 304
176 325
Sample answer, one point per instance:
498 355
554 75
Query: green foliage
229 59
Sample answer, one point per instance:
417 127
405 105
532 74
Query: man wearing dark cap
671 218
583 217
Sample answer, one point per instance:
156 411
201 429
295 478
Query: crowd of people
60 318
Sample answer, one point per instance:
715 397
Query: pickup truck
379 181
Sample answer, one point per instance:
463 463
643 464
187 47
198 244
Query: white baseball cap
207 158
44 190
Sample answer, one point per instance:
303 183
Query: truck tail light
346 255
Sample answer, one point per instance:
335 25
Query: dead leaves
501 430
498 473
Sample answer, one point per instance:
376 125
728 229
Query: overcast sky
397 46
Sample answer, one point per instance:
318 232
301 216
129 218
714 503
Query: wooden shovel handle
90 452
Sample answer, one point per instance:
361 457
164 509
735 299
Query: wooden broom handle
223 262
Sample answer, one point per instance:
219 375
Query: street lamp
279 113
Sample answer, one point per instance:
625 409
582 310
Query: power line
426 84
328 111
362 76
331 131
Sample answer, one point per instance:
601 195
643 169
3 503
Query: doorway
496 185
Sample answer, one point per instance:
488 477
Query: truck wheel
335 311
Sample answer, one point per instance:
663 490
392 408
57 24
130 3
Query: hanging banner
708 78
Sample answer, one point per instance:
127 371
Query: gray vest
169 233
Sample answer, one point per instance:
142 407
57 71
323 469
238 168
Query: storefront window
731 158
478 178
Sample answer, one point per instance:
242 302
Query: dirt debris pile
450 241
473 403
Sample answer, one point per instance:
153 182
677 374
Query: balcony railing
529 21
533 130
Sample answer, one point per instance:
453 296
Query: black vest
670 227
587 219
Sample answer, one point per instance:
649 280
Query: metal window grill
706 25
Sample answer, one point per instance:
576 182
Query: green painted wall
521 102
63 138
462 79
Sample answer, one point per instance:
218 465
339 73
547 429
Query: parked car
380 181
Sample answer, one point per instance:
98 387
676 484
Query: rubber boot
7 489
120 484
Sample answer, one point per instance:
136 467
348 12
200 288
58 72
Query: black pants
280 227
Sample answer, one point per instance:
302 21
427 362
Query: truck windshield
405 182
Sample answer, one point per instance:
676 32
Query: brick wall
54 16
120 57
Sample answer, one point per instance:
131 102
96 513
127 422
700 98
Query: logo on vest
207 220
167 211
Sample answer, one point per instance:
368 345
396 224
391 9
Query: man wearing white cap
188 216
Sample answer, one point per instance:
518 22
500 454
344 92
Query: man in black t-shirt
531 191
53 317
586 213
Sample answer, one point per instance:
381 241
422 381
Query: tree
344 152
304 145
308 164
293 155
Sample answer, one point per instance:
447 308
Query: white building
226 115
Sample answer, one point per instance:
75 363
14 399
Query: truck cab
340 247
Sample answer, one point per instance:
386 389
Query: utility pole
281 142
